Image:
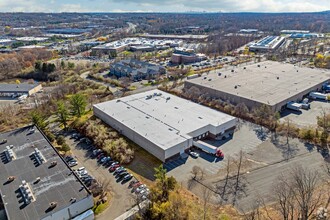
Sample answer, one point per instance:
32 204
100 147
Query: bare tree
224 189
239 166
195 171
305 183
207 193
299 192
284 196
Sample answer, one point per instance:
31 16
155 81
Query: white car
140 188
194 154
145 191
80 169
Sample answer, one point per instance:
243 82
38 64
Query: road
261 182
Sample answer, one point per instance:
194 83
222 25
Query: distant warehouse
14 90
163 124
269 43
270 83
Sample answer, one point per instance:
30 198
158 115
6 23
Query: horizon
165 6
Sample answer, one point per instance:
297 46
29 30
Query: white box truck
318 95
294 106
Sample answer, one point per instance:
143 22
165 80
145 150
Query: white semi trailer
318 95
294 106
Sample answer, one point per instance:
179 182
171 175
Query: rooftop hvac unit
52 205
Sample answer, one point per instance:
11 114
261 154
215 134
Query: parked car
128 177
68 158
194 154
114 163
72 163
3 141
137 185
132 183
140 188
145 191
118 170
112 168
105 159
122 174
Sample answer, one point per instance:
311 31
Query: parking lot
306 117
246 138
123 196
265 157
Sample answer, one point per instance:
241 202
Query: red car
137 185
114 167
220 154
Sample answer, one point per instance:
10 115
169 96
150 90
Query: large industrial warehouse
270 83
163 124
36 183
7 89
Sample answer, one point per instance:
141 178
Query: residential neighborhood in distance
186 110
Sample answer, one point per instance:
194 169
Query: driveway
121 199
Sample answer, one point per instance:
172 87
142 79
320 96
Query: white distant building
269 43
163 124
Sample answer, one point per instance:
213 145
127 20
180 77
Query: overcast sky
163 5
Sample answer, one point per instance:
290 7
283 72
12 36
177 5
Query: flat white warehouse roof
164 119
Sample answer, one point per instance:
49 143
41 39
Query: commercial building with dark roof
270 83
135 69
35 182
7 89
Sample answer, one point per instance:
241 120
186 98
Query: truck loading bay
265 157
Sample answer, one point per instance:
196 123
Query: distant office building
134 44
294 32
269 43
181 37
6 42
309 35
32 39
36 183
14 90
136 70
185 56
248 31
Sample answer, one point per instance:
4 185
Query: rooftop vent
9 153
278 77
232 71
39 157
258 65
11 179
26 192
52 205
244 68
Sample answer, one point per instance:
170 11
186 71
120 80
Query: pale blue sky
163 5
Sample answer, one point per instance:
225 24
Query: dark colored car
119 170
68 158
127 177
122 174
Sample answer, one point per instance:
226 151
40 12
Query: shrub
60 140
50 136
65 147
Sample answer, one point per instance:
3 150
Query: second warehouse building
163 124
